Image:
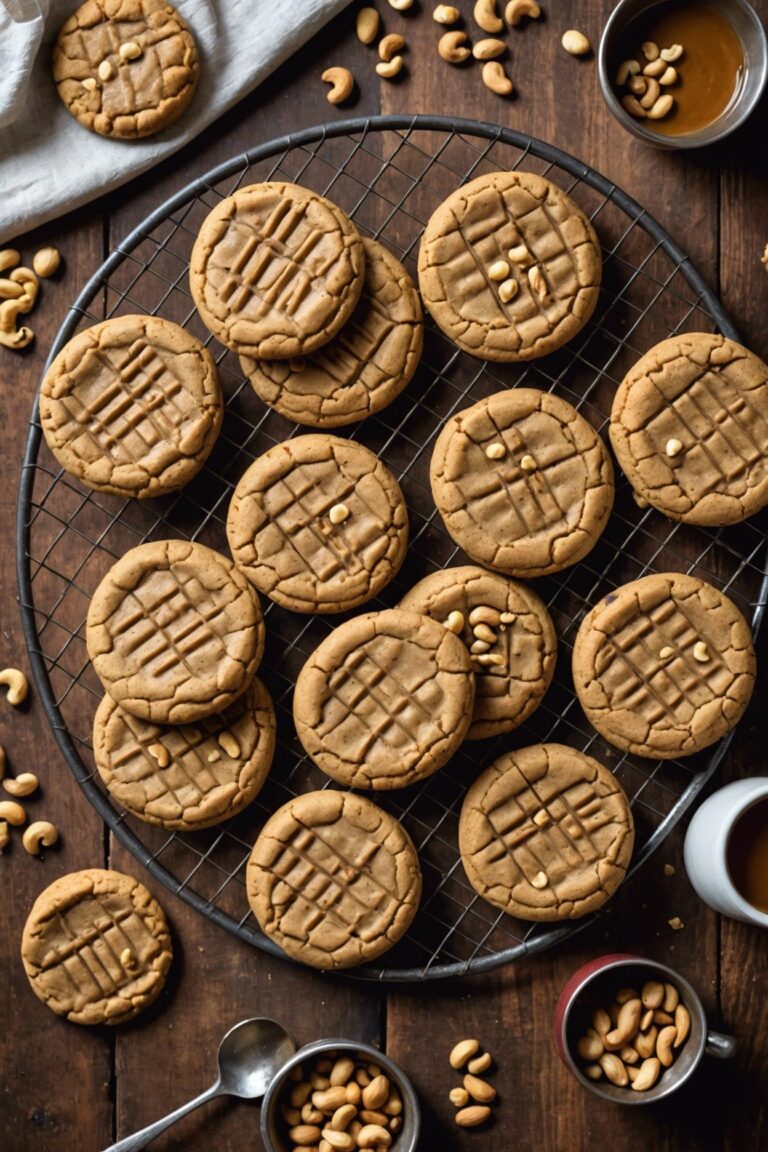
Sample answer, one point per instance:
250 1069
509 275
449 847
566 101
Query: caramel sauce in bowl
720 75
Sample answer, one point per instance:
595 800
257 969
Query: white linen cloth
50 164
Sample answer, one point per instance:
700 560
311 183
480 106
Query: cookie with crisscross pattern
96 947
509 267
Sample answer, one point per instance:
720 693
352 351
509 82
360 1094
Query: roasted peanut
17 685
472 1116
487 17
367 24
390 45
495 78
517 9
462 1052
452 48
575 43
45 262
22 785
342 82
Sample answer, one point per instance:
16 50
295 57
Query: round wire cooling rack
389 173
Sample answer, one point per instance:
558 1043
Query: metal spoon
249 1056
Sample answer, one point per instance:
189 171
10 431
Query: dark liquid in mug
747 855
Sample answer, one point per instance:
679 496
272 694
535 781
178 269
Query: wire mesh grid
389 174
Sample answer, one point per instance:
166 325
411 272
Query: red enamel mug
595 985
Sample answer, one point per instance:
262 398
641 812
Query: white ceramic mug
706 847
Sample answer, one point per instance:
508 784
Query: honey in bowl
747 855
709 72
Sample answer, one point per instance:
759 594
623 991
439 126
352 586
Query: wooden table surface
64 1087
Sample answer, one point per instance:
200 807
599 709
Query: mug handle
721 1045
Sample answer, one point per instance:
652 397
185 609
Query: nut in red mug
595 985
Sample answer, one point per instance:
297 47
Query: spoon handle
141 1139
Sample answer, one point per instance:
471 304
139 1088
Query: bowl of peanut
340 1096
633 1030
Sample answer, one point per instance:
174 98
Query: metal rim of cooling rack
115 821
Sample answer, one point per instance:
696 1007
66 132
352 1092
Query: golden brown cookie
276 271
524 484
689 426
664 666
132 406
385 700
318 524
175 632
96 947
546 833
125 68
509 267
509 634
366 365
333 879
188 776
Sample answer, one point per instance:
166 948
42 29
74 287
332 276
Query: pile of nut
482 620
474 1097
341 1105
18 292
645 80
453 46
520 256
632 1041
39 834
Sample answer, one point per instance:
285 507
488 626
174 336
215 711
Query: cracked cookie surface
385 700
664 666
546 833
364 367
523 483
553 262
276 271
318 524
689 426
333 879
96 947
132 406
175 632
513 651
186 776
125 68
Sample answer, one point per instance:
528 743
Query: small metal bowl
273 1126
754 44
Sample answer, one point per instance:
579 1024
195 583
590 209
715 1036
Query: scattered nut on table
388 69
40 834
575 43
46 262
12 813
445 14
489 49
401 5
486 16
390 45
451 47
367 24
22 785
496 79
517 9
16 682
342 82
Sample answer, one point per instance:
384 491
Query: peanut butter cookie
664 666
188 776
276 271
318 524
546 833
385 700
175 632
96 947
125 68
366 365
524 484
333 879
132 406
509 634
689 427
509 267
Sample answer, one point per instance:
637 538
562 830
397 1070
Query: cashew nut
648 1075
645 1042
655 68
652 93
401 5
626 69
671 998
590 1047
668 76
650 50
517 9
5 835
390 68
18 338
390 45
46 261
9 258
495 78
682 1024
487 17
445 14
17 685
632 105
367 25
575 43
614 1069
661 108
341 81
488 49
637 85
450 47
9 289
671 54
22 785
39 835
12 812
627 1026
664 1042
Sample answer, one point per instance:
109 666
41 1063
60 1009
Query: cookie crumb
669 869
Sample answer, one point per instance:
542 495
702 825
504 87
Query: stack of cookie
328 329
